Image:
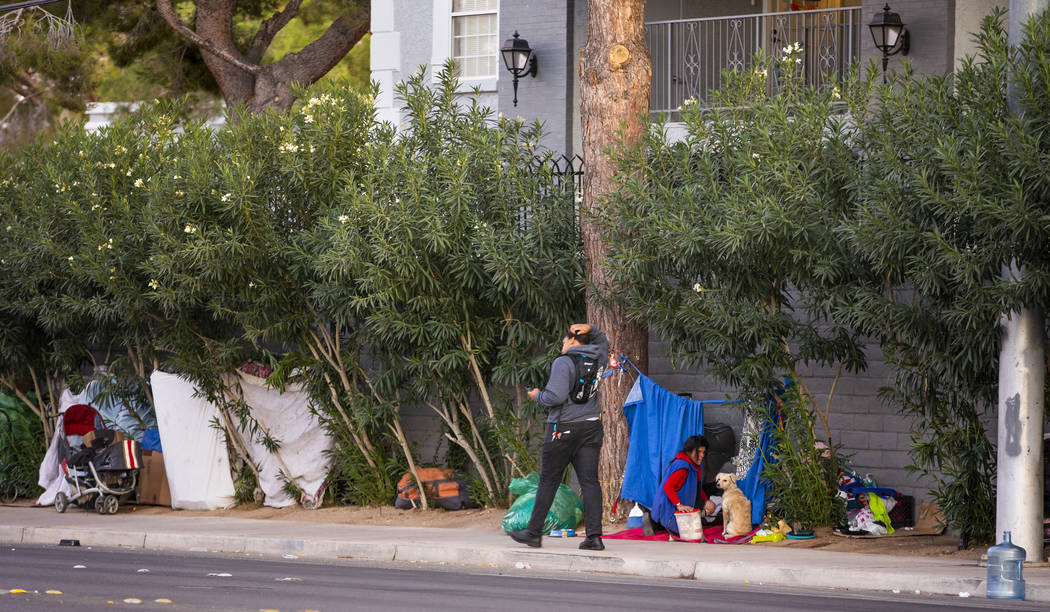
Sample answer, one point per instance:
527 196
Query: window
475 47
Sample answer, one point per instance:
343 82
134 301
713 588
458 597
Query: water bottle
1004 570
634 518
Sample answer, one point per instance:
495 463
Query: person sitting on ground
680 490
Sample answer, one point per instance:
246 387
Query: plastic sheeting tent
195 455
195 458
302 456
50 478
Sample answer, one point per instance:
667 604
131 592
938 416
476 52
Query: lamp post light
519 59
890 36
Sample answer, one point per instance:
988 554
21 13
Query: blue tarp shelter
659 423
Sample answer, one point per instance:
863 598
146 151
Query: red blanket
712 534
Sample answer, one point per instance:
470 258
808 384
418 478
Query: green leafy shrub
803 475
726 242
22 448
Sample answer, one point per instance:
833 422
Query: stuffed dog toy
736 507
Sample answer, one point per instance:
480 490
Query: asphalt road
105 579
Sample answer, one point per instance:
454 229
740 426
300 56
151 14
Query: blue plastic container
1005 561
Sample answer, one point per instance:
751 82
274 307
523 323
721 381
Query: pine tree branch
317 58
269 29
167 11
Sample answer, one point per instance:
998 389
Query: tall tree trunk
614 97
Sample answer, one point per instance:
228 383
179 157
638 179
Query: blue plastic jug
1004 570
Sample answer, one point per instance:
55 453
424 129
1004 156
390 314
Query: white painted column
1022 367
385 59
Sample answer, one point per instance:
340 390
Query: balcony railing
689 55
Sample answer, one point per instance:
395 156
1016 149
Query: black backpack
586 382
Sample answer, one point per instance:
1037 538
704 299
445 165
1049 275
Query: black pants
578 443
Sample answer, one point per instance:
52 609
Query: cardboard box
153 480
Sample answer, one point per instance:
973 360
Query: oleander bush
380 266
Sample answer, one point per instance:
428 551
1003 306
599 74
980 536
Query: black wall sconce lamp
890 35
520 60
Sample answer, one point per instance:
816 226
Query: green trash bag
566 512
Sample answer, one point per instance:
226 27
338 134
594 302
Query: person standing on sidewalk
573 435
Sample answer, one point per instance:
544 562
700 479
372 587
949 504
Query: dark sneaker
592 543
523 536
647 523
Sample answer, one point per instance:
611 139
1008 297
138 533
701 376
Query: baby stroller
100 465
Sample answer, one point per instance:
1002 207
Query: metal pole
1022 366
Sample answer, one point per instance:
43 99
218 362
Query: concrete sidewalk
723 564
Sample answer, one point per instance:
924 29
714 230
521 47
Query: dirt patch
901 543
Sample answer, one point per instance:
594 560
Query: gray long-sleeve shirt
563 373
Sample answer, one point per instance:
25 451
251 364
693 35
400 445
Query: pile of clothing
870 509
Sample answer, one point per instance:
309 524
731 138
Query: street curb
10 534
733 573
87 537
848 579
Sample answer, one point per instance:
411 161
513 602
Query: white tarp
195 458
303 442
51 478
195 455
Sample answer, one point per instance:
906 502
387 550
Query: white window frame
441 50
